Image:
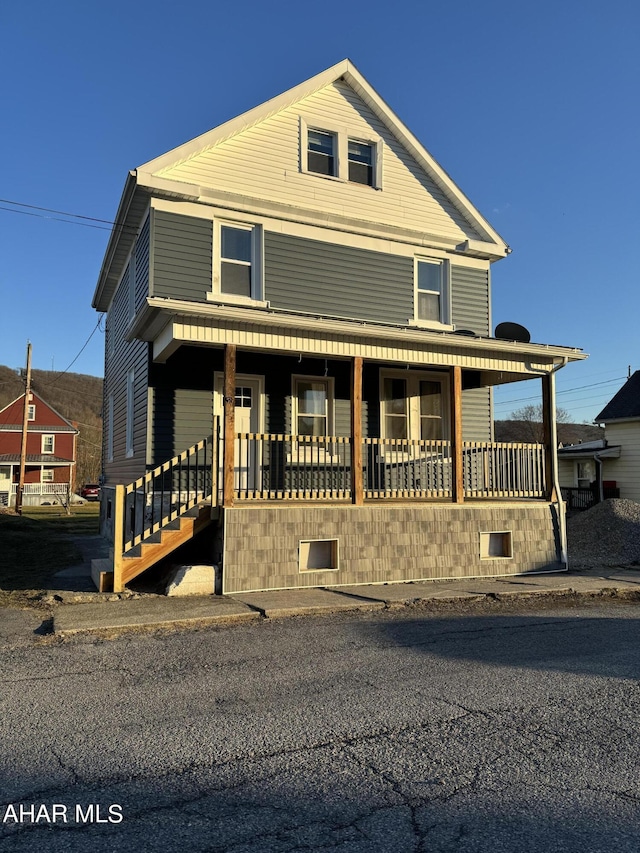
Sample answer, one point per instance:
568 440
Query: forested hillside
78 398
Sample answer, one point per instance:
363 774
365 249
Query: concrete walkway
73 613
154 611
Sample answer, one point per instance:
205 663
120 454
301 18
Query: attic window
361 161
321 152
31 412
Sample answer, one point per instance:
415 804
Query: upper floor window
321 152
333 152
361 162
48 443
431 296
31 412
238 262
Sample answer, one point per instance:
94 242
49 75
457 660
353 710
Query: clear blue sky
532 108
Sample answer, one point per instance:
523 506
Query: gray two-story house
299 352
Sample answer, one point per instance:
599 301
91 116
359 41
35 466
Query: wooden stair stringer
170 539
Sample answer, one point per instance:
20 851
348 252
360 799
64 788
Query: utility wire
95 329
71 216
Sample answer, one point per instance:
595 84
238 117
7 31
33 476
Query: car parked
90 491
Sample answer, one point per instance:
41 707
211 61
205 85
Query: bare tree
531 419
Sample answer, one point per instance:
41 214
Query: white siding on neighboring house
625 470
264 162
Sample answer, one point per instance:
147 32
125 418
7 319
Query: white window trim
129 420
257 265
131 295
413 378
31 411
50 475
327 455
110 429
445 324
342 136
53 444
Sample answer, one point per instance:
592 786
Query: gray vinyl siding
142 266
476 415
182 256
470 299
124 357
339 281
182 417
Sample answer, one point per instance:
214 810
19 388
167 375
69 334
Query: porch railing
406 468
169 490
295 467
503 470
288 467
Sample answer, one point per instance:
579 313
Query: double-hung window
332 152
238 261
361 162
431 293
321 152
31 412
312 405
48 443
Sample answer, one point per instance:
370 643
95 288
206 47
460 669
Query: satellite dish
512 332
466 332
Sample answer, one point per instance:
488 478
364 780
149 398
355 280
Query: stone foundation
265 545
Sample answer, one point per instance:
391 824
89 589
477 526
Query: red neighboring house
51 453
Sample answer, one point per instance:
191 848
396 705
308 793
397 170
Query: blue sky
532 108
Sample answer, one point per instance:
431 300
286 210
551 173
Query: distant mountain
531 431
78 398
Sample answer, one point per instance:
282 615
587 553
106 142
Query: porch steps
158 546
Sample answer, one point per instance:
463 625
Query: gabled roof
149 177
64 426
625 404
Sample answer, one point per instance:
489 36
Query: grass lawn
37 544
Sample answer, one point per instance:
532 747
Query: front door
249 423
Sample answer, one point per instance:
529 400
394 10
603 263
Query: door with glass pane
248 423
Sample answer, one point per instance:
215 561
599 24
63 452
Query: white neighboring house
621 419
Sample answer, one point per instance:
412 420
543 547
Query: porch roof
33 459
169 324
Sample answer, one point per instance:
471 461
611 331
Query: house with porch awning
299 357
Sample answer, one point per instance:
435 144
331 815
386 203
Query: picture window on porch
414 407
313 401
48 443
47 475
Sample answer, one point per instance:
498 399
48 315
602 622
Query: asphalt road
394 731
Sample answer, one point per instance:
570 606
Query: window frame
129 442
44 442
256 296
343 136
444 324
330 401
50 475
31 412
109 430
412 398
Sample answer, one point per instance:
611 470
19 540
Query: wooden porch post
229 400
357 486
457 474
549 433
118 537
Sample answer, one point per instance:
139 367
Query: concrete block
192 580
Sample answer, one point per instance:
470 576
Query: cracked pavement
388 731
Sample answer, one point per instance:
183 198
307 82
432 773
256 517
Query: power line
43 210
566 391
66 370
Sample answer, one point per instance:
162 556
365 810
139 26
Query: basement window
317 555
496 545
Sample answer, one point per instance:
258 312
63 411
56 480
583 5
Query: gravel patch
608 534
